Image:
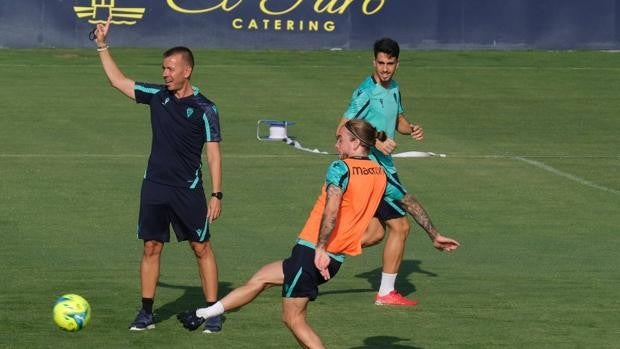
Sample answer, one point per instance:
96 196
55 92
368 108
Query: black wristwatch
218 195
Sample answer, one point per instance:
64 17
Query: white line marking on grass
16 155
549 156
116 156
567 175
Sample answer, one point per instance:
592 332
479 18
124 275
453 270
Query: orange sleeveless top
363 182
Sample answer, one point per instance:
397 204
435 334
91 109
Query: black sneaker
190 320
213 324
142 322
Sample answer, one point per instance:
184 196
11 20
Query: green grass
530 187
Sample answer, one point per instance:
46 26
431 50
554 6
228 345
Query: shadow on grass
191 298
403 285
385 342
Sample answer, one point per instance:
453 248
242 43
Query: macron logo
364 171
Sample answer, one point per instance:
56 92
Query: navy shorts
389 209
301 277
162 206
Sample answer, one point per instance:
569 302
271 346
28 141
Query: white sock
387 283
209 312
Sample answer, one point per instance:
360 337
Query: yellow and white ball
71 312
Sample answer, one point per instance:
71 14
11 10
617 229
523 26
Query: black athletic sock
147 305
210 303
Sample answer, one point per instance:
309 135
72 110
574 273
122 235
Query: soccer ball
71 312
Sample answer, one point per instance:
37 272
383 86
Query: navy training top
180 128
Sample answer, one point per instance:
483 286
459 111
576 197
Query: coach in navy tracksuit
184 122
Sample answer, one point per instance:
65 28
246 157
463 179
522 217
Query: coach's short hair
387 46
185 52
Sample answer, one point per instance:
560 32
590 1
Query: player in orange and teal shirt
353 188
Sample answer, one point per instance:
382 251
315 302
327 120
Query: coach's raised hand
101 34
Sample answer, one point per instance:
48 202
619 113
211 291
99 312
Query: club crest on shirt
189 112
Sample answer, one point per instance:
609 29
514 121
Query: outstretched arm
116 77
328 222
419 214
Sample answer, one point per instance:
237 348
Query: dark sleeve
144 92
212 124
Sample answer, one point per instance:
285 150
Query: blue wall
548 24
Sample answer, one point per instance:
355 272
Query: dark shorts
301 277
389 209
162 206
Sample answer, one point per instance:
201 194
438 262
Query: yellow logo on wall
100 10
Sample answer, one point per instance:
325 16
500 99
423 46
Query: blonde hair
365 132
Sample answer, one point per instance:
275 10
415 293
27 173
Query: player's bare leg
392 258
374 234
394 248
267 276
294 317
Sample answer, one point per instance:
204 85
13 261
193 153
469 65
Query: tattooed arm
328 222
419 214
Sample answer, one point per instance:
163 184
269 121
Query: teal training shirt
380 107
337 174
394 191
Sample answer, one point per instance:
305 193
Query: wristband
102 48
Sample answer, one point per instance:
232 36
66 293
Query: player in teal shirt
378 101
380 106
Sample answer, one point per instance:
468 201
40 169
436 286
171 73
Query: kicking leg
268 276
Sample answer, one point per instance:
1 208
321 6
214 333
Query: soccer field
530 187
